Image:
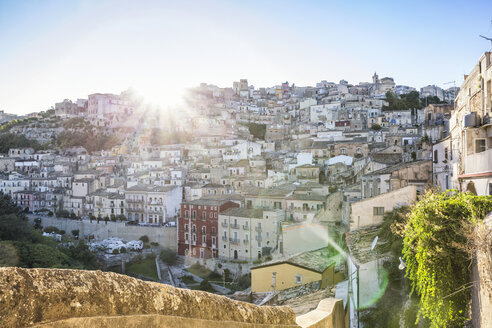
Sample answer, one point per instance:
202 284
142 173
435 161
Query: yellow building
301 269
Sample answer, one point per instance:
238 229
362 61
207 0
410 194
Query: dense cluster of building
264 165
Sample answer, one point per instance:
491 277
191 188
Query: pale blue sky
51 50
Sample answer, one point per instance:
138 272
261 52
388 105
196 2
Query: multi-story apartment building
108 109
105 204
26 199
248 234
198 227
471 131
152 204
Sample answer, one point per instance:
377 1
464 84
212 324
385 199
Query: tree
8 254
42 256
145 239
436 254
168 256
75 233
376 127
37 224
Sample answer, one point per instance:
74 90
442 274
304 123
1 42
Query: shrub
51 229
168 256
144 238
435 248
116 251
123 250
50 213
206 286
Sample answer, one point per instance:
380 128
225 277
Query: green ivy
435 251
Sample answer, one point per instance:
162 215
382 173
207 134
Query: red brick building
198 227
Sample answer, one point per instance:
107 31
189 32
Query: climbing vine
436 237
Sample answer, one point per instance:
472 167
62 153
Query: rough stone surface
32 296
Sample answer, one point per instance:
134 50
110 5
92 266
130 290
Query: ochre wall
261 278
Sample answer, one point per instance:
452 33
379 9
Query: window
344 151
298 278
193 216
187 214
479 145
204 215
204 239
204 230
446 153
377 211
435 156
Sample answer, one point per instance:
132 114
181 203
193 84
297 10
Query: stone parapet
77 298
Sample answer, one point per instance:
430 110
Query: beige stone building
248 234
370 211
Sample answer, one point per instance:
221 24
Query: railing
246 227
258 229
193 243
234 241
140 210
258 238
235 226
224 224
135 201
245 241
224 238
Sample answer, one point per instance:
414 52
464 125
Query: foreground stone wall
52 298
32 296
482 274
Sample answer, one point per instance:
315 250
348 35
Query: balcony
224 224
187 241
234 241
235 226
193 243
139 210
258 238
258 229
204 244
134 200
245 241
155 203
479 162
246 227
224 238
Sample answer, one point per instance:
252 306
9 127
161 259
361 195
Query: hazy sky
51 50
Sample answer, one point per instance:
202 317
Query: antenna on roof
374 242
486 38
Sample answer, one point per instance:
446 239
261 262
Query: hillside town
245 181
